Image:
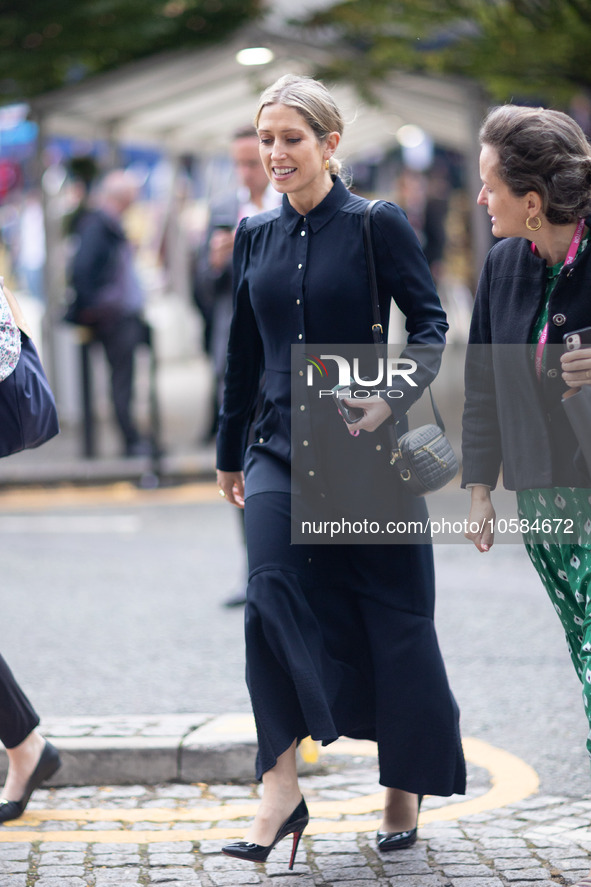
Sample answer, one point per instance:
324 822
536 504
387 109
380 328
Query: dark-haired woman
535 289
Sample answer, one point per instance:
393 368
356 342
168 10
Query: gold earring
327 164
535 227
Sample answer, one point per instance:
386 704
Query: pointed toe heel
388 841
48 764
10 810
293 825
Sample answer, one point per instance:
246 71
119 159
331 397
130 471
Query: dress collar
321 214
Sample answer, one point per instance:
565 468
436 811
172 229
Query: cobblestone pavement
171 834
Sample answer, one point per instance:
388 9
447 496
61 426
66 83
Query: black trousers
17 716
120 338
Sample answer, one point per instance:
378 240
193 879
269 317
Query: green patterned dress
564 567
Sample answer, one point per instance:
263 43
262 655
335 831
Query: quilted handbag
424 459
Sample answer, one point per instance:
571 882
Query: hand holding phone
350 414
576 360
373 412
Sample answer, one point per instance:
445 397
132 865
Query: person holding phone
533 296
340 639
212 283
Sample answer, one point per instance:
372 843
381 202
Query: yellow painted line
511 781
123 493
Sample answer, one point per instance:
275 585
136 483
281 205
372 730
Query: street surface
113 604
172 834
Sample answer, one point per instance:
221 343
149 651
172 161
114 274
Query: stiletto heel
293 825
387 841
294 849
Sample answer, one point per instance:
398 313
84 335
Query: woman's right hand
481 520
576 369
231 484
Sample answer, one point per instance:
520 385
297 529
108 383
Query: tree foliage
527 49
45 44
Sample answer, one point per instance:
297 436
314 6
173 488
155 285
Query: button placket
304 450
302 436
301 253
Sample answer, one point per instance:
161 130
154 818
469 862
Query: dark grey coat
511 417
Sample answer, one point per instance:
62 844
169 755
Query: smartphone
577 339
349 414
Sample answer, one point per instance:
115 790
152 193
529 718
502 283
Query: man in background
213 279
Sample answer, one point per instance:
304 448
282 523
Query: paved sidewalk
170 833
125 750
139 835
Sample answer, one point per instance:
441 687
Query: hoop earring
327 164
533 227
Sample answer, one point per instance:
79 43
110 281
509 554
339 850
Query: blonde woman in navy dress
340 639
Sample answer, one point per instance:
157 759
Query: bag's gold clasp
395 456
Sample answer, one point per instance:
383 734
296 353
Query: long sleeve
403 274
244 366
10 339
93 263
481 435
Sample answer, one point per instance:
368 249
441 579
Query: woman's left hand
576 367
231 484
375 412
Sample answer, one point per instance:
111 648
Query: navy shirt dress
340 639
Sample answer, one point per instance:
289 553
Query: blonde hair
312 100
543 151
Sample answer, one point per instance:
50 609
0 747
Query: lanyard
570 257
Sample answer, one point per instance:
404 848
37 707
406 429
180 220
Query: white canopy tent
190 102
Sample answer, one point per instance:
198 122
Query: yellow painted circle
511 781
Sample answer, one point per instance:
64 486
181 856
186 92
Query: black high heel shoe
294 825
48 764
387 841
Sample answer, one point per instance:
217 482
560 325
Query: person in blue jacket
340 639
109 298
31 758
